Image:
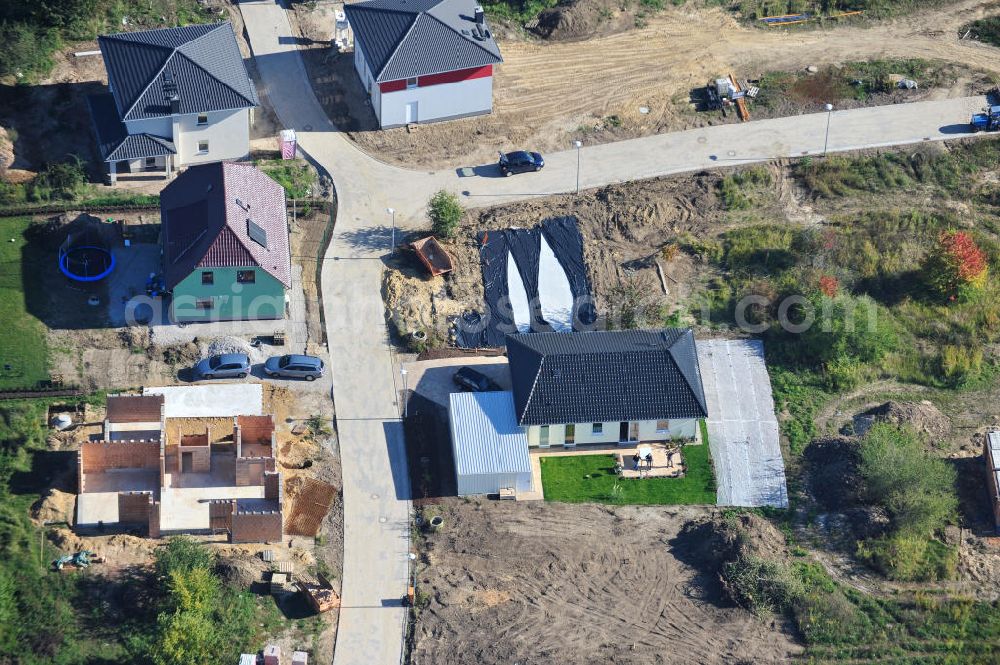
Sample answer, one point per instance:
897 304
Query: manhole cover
702 139
731 153
374 496
382 520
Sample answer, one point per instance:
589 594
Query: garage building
491 450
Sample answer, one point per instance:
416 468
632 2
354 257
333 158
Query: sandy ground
552 583
547 94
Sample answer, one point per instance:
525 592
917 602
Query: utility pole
578 145
406 402
829 114
392 212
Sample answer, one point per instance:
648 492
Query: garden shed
490 448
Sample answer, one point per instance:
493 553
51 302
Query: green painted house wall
230 299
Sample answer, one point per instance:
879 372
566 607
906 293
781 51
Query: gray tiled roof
605 376
407 38
204 62
114 141
204 218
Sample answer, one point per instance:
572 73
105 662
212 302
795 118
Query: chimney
480 16
170 90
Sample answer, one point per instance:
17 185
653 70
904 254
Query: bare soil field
550 583
547 94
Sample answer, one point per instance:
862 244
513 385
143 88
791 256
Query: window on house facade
662 426
411 83
543 435
150 162
246 276
202 118
597 428
570 436
208 278
202 147
205 303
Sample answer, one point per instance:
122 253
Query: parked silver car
294 367
225 366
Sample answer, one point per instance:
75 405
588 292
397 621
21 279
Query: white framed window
662 426
202 147
411 83
597 428
202 118
543 435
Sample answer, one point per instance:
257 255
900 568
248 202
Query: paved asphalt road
365 377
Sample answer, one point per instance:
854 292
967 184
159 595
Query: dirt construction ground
534 583
548 93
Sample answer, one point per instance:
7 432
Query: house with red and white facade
423 60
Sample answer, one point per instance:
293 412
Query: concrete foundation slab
218 400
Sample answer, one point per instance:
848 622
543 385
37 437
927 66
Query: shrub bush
445 211
916 489
956 265
910 558
761 586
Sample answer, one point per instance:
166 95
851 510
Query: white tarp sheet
520 308
742 427
554 291
218 400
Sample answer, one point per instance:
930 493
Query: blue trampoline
88 261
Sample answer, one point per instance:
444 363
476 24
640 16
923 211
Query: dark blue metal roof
605 376
202 62
408 38
114 142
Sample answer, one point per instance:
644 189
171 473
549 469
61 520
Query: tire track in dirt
576 584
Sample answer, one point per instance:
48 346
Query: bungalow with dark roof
423 60
176 97
604 387
225 244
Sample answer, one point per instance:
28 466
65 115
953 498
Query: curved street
365 381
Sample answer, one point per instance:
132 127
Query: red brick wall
250 472
272 486
134 507
154 520
102 455
220 515
201 458
256 528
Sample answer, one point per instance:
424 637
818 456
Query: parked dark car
520 161
225 366
293 366
470 379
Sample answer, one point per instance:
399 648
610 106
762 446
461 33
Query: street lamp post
826 141
392 212
406 402
578 145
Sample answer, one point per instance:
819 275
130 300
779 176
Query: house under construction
167 476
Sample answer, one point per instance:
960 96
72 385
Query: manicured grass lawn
566 479
22 339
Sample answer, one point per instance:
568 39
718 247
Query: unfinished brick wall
272 486
250 472
200 451
134 507
96 456
254 436
154 519
220 514
256 527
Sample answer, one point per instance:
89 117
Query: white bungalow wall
583 435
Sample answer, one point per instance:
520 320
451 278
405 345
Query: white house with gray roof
423 60
176 97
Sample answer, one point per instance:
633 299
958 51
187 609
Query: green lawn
23 349
591 478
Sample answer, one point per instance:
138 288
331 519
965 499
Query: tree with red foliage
955 264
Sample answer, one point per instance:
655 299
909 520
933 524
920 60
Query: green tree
183 638
445 211
194 590
182 555
917 490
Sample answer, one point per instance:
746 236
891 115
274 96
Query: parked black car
470 379
520 161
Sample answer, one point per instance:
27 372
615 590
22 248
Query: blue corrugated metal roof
605 376
488 439
203 61
407 38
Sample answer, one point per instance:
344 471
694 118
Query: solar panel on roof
257 234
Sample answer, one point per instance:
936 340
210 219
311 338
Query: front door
623 431
633 432
187 462
411 112
570 438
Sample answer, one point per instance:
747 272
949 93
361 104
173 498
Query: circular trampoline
85 258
